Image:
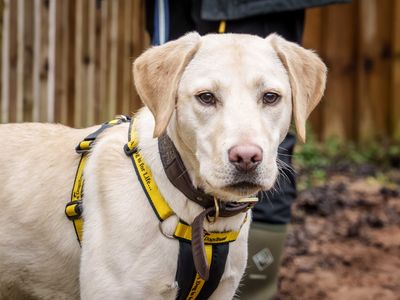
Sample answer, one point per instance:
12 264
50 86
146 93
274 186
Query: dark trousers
184 16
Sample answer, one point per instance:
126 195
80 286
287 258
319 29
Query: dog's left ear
157 73
307 75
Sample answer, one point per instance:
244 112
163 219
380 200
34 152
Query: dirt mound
344 241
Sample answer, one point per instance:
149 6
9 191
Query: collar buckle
213 219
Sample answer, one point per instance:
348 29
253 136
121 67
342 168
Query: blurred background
69 61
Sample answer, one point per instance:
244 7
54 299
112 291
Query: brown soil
344 242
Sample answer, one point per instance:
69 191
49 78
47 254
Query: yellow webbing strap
157 201
73 209
184 231
198 282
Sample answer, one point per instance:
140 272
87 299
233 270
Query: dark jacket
216 10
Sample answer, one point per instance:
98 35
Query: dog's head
227 102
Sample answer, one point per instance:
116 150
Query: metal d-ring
214 219
163 233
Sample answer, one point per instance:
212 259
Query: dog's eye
270 98
206 98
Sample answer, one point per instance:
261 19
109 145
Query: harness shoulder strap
74 208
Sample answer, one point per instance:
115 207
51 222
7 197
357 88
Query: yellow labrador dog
226 103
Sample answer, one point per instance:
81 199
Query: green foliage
315 159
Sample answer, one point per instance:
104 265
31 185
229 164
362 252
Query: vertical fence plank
20 60
90 62
312 39
120 56
127 53
78 98
44 61
51 87
373 69
395 98
338 110
113 41
63 50
58 60
104 59
28 60
13 75
139 42
97 63
70 56
36 60
5 66
1 55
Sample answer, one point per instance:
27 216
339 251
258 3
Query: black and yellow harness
214 246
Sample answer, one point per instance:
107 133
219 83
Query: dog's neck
184 208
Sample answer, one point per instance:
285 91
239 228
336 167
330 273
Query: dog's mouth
243 188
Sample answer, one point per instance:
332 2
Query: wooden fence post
29 28
78 97
113 42
395 99
91 54
104 60
373 91
338 110
312 39
5 68
20 61
51 88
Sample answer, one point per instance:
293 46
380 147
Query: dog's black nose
245 157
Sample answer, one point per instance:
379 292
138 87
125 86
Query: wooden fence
69 61
360 42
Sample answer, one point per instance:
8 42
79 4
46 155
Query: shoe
266 243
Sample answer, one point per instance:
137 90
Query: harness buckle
83 147
74 209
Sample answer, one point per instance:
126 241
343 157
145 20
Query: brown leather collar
177 173
179 177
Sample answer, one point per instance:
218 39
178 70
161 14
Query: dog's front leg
226 289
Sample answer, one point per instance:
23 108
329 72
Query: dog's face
232 96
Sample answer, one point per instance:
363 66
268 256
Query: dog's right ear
157 73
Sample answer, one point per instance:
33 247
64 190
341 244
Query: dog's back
38 165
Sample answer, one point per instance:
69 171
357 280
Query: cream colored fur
124 255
